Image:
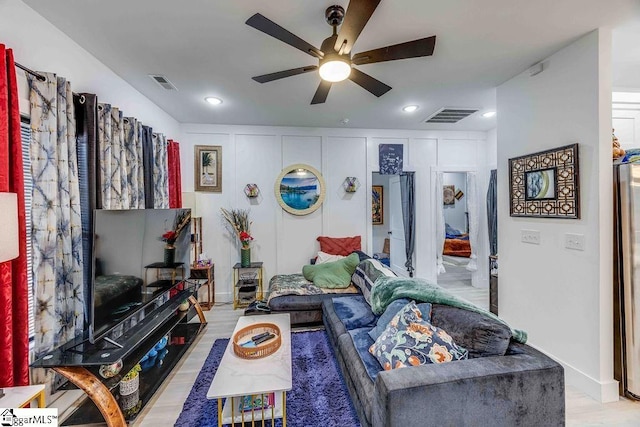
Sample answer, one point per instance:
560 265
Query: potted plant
238 220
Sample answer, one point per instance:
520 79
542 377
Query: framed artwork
546 184
208 168
390 159
448 195
377 205
300 189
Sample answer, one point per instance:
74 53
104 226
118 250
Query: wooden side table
22 396
207 273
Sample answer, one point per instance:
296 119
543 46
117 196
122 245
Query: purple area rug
319 396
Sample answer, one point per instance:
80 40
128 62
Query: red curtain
14 312
175 183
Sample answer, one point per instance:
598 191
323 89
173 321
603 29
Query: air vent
450 115
163 82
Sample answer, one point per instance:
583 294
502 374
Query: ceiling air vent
450 115
163 82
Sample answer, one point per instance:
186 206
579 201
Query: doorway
456 251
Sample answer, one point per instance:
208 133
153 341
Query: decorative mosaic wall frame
546 184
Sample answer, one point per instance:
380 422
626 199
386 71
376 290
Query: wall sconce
351 184
251 191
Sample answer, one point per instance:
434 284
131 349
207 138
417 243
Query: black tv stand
80 360
110 341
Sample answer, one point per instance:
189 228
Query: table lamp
9 245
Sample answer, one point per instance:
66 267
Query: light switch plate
574 241
530 236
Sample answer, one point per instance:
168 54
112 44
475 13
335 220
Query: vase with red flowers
180 222
238 219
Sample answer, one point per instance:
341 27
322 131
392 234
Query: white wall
49 49
562 297
285 242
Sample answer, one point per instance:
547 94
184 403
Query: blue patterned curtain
120 162
55 213
160 172
407 195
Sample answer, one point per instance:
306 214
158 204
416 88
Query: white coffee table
237 377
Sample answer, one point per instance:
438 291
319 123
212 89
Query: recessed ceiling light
489 114
410 108
213 100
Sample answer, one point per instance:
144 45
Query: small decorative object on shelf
131 381
351 184
251 190
181 220
238 219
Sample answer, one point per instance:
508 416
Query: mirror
300 189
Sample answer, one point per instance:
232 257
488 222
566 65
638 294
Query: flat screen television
124 242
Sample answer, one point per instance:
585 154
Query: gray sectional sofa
503 383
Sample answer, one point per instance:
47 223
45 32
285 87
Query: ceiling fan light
335 71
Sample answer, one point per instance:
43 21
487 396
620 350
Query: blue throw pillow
411 341
392 310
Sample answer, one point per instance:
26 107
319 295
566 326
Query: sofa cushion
333 274
479 334
391 310
366 273
411 341
339 245
362 342
354 312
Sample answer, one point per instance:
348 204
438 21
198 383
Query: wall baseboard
601 391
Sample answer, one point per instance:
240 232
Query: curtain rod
42 78
30 71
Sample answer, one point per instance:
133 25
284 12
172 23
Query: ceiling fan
334 56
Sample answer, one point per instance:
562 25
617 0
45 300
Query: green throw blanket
387 289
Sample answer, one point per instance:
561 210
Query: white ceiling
205 49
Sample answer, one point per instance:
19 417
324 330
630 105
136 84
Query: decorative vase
245 257
169 255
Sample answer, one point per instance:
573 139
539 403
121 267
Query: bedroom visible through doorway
456 251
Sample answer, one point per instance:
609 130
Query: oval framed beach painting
300 189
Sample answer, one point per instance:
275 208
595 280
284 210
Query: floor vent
450 115
163 82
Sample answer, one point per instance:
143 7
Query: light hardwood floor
164 409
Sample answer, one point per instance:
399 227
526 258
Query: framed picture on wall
208 168
377 206
546 184
448 195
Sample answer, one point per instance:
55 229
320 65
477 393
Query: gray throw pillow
392 310
480 334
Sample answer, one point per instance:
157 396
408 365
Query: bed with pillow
301 294
456 243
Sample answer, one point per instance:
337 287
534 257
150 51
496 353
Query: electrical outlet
574 241
530 236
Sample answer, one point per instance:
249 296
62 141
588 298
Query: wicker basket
261 350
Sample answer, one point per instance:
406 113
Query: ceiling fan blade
267 26
321 93
356 17
367 82
412 49
282 74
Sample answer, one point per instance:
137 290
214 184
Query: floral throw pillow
411 341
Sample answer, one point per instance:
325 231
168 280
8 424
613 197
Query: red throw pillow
339 245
